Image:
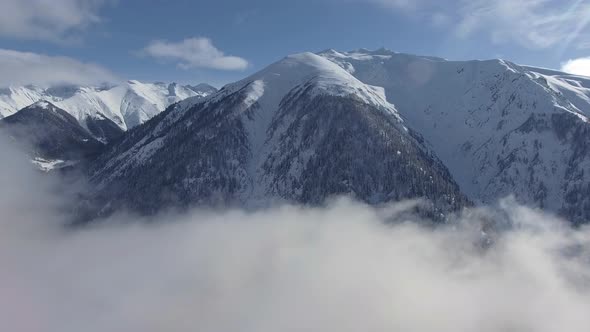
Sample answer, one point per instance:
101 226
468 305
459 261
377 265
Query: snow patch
46 165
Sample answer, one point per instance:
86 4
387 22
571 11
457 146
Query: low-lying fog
344 267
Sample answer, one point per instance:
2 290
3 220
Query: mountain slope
300 130
52 137
500 128
104 111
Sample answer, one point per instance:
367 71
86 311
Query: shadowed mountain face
50 134
302 130
327 145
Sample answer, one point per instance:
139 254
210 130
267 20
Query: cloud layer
194 53
21 68
580 66
345 267
55 20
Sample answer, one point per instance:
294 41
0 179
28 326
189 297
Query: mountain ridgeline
105 111
377 125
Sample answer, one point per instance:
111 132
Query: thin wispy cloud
536 24
55 20
532 23
194 53
21 68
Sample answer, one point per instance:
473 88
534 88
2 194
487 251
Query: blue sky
225 40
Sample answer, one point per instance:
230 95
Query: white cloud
53 20
194 53
531 23
580 66
334 269
21 68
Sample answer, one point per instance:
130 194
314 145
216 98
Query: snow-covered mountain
52 137
303 129
104 111
500 128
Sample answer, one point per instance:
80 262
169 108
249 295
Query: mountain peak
43 109
305 70
379 51
43 104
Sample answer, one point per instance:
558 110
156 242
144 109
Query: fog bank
343 267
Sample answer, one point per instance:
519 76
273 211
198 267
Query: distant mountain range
105 111
377 125
63 125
